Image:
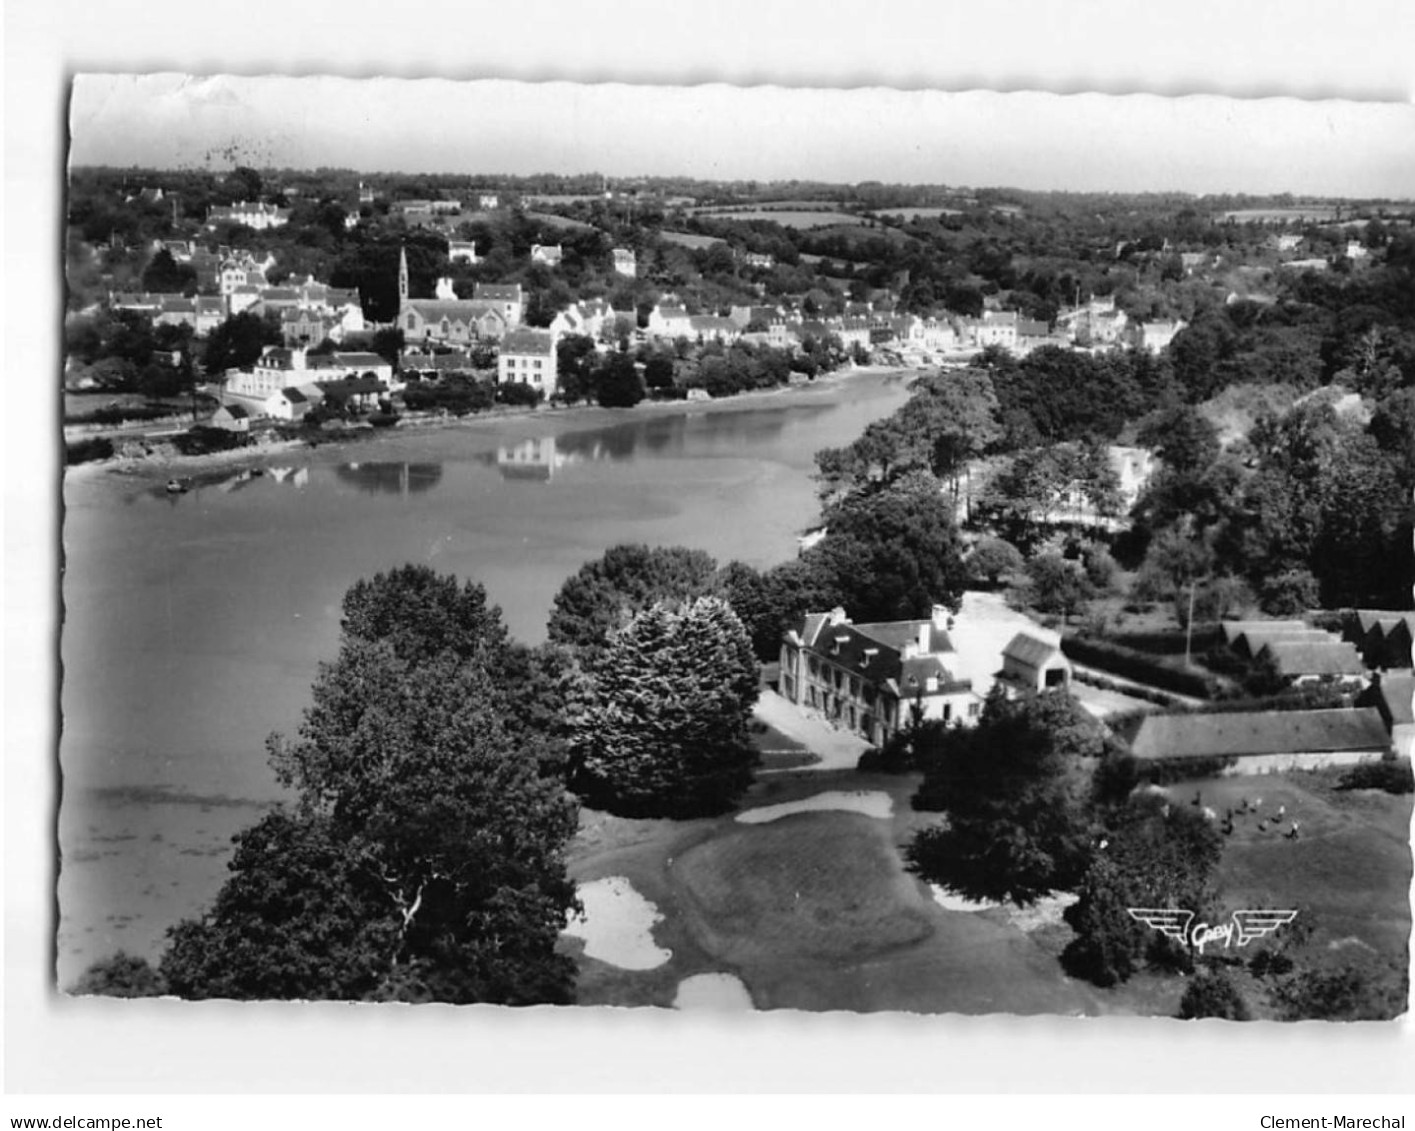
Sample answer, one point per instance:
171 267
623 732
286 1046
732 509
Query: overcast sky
1200 144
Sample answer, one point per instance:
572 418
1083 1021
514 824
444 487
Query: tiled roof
498 292
704 322
351 387
1029 650
1254 640
360 359
1233 629
897 633
875 651
1386 620
454 310
536 342
1241 734
293 395
277 357
1299 658
1393 696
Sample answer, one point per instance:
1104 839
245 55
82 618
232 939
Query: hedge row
1140 666
1148 694
85 451
1172 642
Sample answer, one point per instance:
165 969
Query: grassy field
824 887
790 219
813 911
689 239
565 222
918 213
816 911
1348 876
1349 871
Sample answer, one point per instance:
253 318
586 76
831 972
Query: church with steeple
445 319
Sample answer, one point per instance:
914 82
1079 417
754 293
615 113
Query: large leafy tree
627 579
164 275
1017 791
298 919
1155 854
893 554
663 729
237 343
946 422
423 859
419 613
617 383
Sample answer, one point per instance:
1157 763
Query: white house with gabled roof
874 679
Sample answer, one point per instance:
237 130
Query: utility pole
1189 622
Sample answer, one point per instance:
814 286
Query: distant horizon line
1297 198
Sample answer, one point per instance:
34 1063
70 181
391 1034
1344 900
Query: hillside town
312 272
1106 604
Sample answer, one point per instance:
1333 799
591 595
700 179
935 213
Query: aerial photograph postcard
736 548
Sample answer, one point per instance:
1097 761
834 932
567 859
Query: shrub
455 394
117 414
1172 642
1393 775
992 558
383 419
121 975
1212 994
515 393
202 441
1270 962
1163 771
1289 593
1347 993
86 451
906 750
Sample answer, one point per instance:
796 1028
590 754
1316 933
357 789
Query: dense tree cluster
423 859
1017 793
1156 854
122 351
1314 508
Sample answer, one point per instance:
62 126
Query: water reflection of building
390 478
532 459
292 476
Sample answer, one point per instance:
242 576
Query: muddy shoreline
164 463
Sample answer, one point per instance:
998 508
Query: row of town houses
440 331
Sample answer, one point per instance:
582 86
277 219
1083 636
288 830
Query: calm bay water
194 624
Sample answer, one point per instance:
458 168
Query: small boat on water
176 487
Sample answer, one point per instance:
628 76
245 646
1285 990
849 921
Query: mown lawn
1347 874
813 911
816 911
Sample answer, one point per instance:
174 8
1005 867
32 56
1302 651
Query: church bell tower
402 276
